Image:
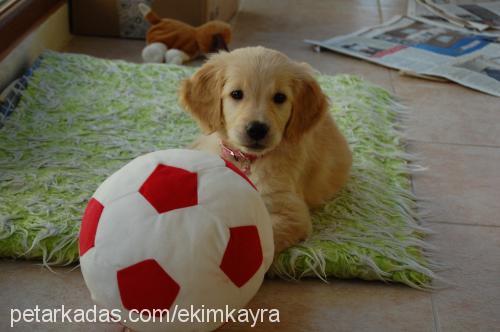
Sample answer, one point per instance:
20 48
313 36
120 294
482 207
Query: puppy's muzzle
257 130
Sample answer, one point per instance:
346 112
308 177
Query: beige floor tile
473 254
391 9
265 24
24 285
342 306
461 183
304 306
108 48
300 20
449 113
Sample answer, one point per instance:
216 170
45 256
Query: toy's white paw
176 56
154 52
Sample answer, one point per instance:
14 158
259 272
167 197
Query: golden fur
303 160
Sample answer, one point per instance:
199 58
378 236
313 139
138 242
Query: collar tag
244 160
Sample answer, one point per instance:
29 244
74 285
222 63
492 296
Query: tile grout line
237 15
437 323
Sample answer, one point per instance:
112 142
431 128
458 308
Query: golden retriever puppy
268 115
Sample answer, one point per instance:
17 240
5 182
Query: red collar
244 160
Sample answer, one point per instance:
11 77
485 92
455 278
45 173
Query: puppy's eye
279 98
237 94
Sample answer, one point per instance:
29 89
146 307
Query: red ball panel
243 254
239 172
146 285
89 224
169 188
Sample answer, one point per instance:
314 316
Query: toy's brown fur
179 35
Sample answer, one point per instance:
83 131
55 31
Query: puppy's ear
201 94
309 104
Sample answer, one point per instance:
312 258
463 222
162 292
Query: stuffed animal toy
173 41
170 230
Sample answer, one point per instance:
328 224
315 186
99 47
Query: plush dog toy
176 42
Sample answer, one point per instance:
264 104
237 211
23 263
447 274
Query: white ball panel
124 233
126 180
227 195
100 279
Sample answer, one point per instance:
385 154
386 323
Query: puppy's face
254 98
257 104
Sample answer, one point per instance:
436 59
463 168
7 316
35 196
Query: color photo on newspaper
424 49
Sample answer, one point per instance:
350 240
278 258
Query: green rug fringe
82 118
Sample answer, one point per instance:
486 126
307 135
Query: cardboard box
122 18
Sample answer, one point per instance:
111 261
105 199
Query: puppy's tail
148 14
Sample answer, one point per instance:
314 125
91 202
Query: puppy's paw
280 245
290 230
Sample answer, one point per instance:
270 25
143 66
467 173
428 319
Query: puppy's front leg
290 217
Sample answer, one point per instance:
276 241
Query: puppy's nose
257 130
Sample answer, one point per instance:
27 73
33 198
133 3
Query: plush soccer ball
171 229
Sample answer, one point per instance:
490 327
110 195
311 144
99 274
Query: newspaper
472 14
483 15
422 49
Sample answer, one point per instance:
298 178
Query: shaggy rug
80 119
